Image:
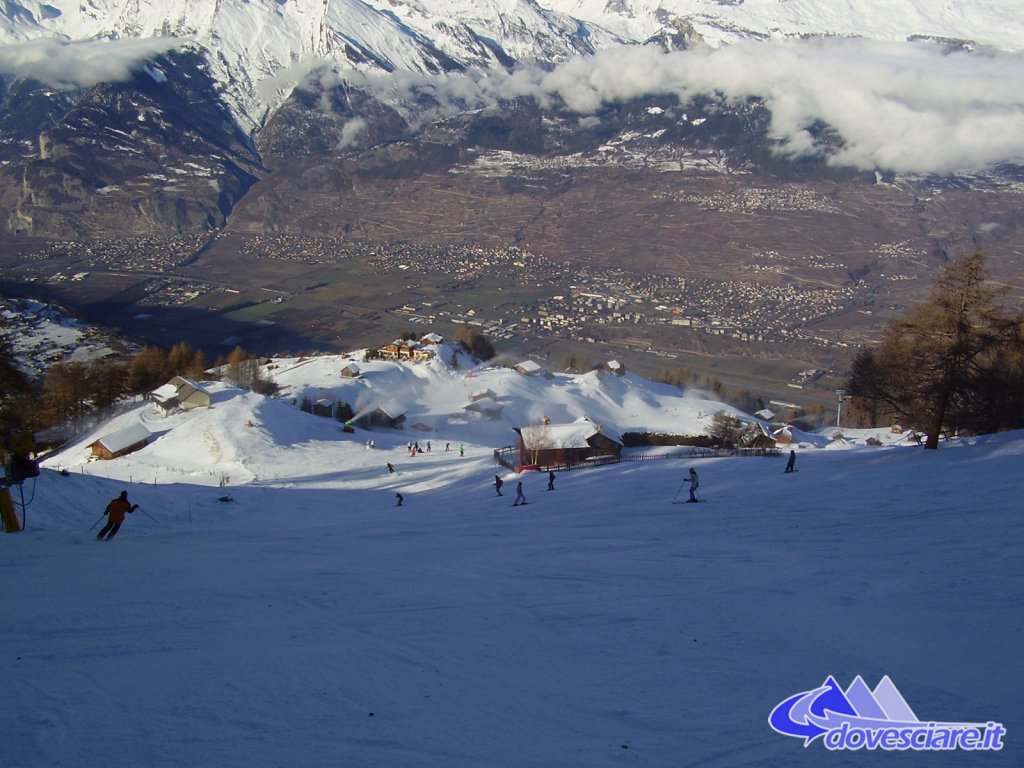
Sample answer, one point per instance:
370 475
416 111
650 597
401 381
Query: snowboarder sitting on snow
498 482
520 496
791 463
115 513
694 482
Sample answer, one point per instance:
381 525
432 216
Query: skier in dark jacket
520 496
115 513
498 482
791 463
551 480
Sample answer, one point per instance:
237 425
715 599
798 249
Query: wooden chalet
783 435
415 351
120 443
529 368
181 394
549 445
485 408
384 415
323 407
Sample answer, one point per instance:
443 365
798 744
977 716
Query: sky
297 616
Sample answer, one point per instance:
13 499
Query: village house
761 439
548 445
351 371
484 409
120 443
421 353
613 367
483 394
388 414
528 368
323 407
783 435
400 349
180 394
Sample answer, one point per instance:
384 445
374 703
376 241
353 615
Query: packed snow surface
297 617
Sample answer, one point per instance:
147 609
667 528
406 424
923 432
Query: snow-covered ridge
995 23
259 49
271 440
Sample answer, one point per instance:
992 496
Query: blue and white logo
859 718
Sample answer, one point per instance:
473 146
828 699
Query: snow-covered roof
124 438
164 393
392 408
528 366
177 389
484 405
574 435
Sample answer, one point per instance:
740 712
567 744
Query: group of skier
520 495
117 508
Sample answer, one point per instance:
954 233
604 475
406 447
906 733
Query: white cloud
910 107
81 64
351 132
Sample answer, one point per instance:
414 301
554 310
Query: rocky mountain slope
123 119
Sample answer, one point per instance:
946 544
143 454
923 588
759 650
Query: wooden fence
509 457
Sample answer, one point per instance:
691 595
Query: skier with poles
694 482
115 513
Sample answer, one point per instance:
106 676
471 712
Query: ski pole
149 515
680 490
98 521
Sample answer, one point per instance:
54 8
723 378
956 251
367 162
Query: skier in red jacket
115 513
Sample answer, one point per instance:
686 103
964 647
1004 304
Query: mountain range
136 117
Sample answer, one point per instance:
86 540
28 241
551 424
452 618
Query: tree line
954 364
71 390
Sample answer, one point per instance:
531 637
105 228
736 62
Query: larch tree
938 366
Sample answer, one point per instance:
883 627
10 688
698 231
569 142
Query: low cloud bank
906 107
62 64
